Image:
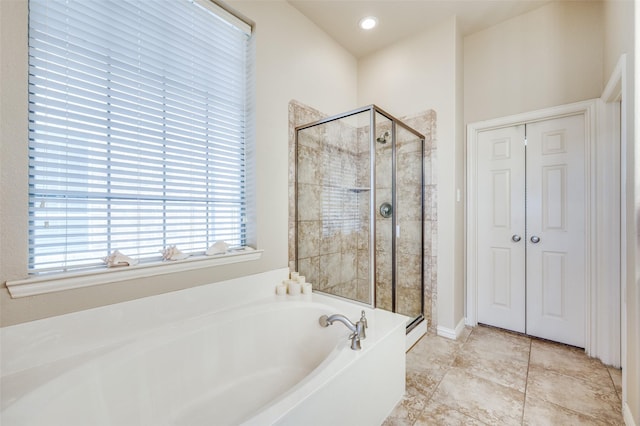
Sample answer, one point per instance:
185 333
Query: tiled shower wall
340 247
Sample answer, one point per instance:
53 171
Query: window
139 125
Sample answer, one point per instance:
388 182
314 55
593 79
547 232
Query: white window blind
138 122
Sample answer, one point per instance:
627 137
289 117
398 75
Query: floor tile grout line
526 383
615 388
448 368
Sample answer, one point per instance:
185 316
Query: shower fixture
386 210
383 138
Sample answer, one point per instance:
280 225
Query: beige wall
415 75
550 56
619 39
295 60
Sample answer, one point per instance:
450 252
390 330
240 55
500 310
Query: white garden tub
263 362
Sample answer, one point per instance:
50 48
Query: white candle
307 288
281 289
294 275
301 279
294 288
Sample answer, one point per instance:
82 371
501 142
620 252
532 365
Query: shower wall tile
428 178
292 247
411 145
383 295
364 140
407 304
408 204
428 249
363 176
330 243
309 138
434 159
384 235
310 268
383 266
348 266
431 211
364 290
363 239
330 269
309 207
349 242
410 242
308 167
384 174
409 272
408 170
362 260
308 238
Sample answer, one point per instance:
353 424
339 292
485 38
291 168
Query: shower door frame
373 109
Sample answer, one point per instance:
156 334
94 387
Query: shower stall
359 235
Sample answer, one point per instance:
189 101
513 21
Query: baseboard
450 333
627 416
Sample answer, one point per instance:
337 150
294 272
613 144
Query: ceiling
398 19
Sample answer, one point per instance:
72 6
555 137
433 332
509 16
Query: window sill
49 284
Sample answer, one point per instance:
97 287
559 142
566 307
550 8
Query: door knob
535 239
515 238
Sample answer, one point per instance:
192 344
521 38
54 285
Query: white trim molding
51 283
626 415
597 279
449 333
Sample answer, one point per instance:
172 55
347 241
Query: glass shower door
408 223
333 191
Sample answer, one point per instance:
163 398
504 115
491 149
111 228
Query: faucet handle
360 326
355 341
363 319
324 321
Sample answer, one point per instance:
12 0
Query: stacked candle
297 284
281 289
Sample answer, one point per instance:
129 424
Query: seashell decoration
173 253
118 259
219 247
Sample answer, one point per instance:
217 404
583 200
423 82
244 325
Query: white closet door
531 218
501 228
556 212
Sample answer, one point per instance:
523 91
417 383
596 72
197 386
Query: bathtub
261 362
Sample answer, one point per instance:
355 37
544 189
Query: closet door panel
556 229
501 228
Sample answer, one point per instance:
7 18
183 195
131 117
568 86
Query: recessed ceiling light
368 23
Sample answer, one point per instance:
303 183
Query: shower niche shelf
358 190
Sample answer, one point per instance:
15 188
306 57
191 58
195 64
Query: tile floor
493 377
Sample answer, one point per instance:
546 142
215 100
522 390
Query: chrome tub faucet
357 329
